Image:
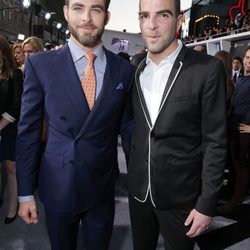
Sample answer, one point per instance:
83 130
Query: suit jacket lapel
69 79
173 75
171 80
140 68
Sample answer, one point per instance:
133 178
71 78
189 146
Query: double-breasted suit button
63 118
72 163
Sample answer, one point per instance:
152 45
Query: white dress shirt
154 79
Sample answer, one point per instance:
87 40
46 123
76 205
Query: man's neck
158 57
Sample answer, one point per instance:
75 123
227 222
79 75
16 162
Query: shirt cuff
26 198
8 117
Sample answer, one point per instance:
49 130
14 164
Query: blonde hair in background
35 42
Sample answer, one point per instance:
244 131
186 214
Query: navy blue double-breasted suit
79 161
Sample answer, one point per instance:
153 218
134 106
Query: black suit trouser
147 222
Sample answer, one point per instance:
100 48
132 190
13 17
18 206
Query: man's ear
107 17
65 12
180 20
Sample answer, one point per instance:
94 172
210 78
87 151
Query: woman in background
11 81
32 45
19 55
226 58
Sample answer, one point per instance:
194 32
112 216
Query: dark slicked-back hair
106 4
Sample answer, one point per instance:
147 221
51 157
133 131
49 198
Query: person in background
240 148
179 142
19 55
32 45
200 48
237 68
82 90
226 58
11 80
124 55
137 58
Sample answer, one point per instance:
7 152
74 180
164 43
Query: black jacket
10 99
179 161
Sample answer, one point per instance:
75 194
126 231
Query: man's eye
96 11
163 15
143 16
77 8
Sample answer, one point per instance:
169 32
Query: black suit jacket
179 160
10 99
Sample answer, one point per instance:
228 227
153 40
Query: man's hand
200 223
27 211
244 128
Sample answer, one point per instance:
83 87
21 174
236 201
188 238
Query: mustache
89 25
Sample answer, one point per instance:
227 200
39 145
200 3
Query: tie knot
90 57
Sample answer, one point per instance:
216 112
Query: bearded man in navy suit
78 166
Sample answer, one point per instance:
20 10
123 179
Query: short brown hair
106 4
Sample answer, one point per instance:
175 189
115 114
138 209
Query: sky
124 15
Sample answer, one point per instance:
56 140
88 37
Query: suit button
62 118
152 135
77 141
72 163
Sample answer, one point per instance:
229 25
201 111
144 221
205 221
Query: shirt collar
78 53
172 57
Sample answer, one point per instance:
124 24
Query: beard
88 40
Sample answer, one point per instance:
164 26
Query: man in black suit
179 141
237 68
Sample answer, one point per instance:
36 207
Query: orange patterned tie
89 80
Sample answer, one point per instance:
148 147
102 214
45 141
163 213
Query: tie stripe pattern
89 80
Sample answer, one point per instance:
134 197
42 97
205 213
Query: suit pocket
180 99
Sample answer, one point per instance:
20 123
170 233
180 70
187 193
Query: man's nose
86 15
152 23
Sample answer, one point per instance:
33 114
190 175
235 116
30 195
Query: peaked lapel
171 80
108 86
140 68
67 75
173 75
